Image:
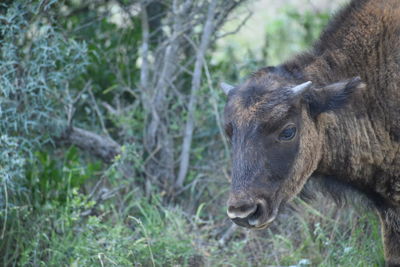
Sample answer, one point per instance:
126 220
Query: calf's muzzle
247 211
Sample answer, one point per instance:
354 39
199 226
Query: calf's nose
245 210
241 209
241 206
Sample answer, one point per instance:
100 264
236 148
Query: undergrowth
113 226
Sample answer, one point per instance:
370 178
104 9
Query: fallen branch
100 146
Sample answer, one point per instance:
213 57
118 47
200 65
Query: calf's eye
287 134
228 130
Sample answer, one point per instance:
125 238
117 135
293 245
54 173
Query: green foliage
164 235
113 71
51 181
328 242
11 166
292 32
62 236
55 231
36 64
52 206
144 232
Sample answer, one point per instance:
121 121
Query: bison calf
331 114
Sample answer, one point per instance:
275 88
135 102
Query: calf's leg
390 221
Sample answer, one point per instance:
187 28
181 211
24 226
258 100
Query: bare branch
144 70
101 146
196 80
110 109
214 103
225 9
70 103
237 29
96 108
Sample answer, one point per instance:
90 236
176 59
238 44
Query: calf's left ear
333 96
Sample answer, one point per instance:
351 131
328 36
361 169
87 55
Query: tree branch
100 146
196 80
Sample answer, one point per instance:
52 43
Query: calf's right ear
226 87
333 96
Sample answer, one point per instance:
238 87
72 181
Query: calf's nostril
253 219
242 211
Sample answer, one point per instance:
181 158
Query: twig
110 108
227 235
239 27
186 187
216 112
99 115
71 104
144 49
226 8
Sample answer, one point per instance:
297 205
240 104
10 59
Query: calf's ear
227 88
333 96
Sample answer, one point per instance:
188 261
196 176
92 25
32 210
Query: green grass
66 224
154 235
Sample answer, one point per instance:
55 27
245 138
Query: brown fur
357 144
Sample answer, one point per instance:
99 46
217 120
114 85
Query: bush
36 64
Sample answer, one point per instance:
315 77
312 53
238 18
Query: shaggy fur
348 130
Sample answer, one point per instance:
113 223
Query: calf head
272 123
